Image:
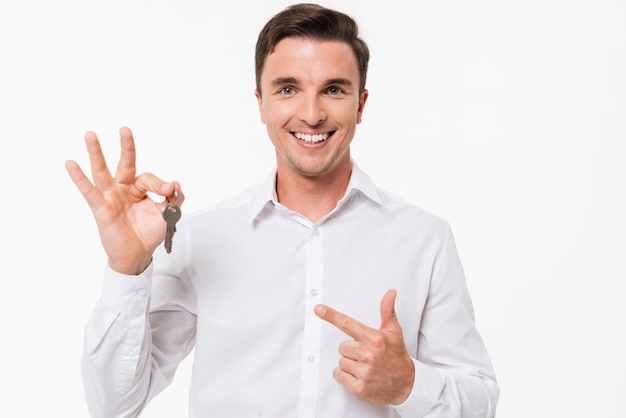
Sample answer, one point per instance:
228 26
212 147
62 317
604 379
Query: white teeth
312 138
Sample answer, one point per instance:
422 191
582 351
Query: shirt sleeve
131 346
453 373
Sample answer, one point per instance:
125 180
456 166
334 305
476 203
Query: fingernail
320 310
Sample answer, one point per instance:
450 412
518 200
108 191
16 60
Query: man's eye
334 90
286 90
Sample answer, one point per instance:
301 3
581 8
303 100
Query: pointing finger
345 323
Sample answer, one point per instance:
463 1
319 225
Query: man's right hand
130 224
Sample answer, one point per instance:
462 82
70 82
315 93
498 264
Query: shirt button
142 293
311 358
313 292
316 232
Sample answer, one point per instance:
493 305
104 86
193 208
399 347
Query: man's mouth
313 138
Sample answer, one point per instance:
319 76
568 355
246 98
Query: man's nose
312 110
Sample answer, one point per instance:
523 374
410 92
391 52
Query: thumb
388 318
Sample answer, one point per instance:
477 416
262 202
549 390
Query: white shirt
240 286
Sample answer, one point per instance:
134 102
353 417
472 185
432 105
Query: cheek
348 112
349 116
276 114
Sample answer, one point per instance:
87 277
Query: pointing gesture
130 224
375 366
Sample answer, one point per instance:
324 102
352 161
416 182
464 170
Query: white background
507 118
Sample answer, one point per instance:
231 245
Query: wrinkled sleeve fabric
453 372
134 341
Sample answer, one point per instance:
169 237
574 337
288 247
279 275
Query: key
171 214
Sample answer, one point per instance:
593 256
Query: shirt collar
265 192
363 183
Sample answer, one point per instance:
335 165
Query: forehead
309 59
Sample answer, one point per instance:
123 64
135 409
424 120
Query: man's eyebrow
281 81
339 81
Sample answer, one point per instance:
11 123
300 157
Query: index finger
345 323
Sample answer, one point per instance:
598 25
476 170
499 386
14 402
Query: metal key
171 214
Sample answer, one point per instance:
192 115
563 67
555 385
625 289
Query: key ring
175 199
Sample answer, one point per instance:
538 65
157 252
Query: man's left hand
376 366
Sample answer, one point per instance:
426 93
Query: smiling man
311 101
313 294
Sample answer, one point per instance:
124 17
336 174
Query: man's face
310 104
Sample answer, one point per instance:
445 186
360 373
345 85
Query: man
314 294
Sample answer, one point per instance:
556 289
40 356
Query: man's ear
259 99
362 99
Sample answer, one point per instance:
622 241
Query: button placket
312 324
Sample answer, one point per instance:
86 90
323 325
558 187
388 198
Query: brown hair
313 22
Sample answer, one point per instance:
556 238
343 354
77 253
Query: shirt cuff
427 388
124 293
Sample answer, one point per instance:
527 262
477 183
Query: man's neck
312 197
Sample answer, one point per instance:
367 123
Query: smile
313 139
